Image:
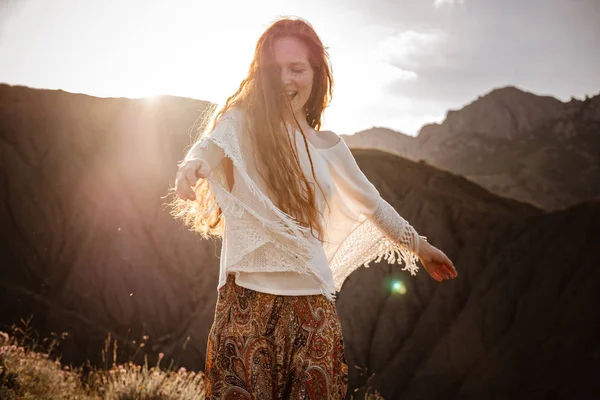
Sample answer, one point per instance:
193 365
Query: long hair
261 95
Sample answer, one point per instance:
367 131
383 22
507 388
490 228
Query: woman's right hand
436 263
187 176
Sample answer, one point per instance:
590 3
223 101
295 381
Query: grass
30 368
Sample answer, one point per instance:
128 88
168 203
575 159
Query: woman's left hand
436 263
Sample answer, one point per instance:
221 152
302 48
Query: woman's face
291 54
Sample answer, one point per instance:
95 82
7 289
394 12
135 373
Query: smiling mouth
291 94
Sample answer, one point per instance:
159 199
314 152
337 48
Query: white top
268 251
293 283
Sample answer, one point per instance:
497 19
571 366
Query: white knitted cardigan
259 237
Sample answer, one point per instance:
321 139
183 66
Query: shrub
28 371
134 382
26 374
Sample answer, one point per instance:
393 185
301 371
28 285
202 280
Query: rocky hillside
531 148
506 327
88 247
86 242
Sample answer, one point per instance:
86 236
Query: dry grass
366 388
30 370
27 374
132 382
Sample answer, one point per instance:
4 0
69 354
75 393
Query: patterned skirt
265 346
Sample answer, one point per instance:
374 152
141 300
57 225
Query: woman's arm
206 150
367 200
202 158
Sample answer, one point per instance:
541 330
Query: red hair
260 95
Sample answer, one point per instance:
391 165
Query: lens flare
398 287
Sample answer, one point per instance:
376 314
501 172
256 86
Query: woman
296 215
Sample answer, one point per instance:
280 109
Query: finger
436 276
190 174
440 276
178 186
443 272
201 171
450 264
189 193
451 271
183 193
448 271
450 268
183 188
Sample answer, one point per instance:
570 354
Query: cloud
409 49
7 9
543 47
440 3
446 56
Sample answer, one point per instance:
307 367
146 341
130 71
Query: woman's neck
303 123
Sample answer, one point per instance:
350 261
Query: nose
286 76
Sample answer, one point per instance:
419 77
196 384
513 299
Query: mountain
506 113
88 247
87 244
535 149
381 139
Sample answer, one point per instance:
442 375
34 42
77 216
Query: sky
396 64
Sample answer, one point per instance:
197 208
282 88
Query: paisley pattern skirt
265 346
